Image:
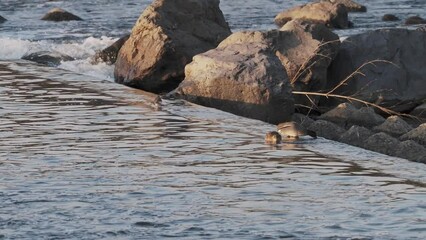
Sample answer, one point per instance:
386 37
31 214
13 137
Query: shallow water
84 158
89 159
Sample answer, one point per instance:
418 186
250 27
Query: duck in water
294 130
272 138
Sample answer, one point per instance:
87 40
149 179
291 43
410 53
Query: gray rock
332 15
412 151
350 5
415 20
394 126
242 76
356 136
109 54
419 111
48 58
346 115
2 19
418 135
399 86
327 130
303 120
382 143
58 15
165 38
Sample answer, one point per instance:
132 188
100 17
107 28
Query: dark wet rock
346 115
48 58
306 53
303 120
382 143
390 18
331 15
356 136
418 135
58 15
399 86
394 126
109 54
242 76
2 19
415 20
350 5
412 151
165 38
419 111
327 130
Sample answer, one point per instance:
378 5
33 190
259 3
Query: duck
294 130
273 138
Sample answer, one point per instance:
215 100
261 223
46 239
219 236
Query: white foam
82 51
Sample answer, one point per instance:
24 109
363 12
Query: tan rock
350 5
242 76
325 12
165 38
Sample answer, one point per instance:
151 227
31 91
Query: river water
84 158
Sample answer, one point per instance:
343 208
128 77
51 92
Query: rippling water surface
84 158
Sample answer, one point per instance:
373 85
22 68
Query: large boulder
58 15
332 15
242 76
399 83
49 58
306 54
350 5
165 38
413 20
109 54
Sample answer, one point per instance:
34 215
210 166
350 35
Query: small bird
294 130
272 138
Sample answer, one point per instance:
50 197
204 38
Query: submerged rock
398 82
58 15
394 126
48 58
242 76
415 20
390 18
325 12
165 38
350 5
109 54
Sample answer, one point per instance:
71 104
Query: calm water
84 158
